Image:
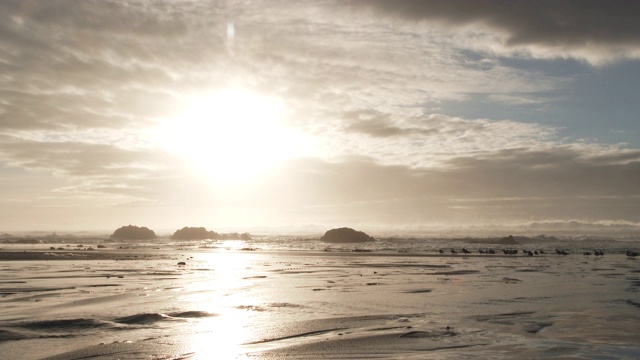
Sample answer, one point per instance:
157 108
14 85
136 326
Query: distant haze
479 114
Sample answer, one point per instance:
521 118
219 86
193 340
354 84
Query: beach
230 302
362 179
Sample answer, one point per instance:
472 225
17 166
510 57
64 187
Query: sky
377 114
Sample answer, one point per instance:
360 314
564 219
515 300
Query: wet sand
132 304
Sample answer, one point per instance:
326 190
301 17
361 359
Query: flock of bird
596 252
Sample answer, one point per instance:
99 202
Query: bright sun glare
231 135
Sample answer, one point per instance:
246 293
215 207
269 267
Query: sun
232 135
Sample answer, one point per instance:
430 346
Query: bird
529 253
631 253
491 251
466 251
441 251
598 252
481 251
453 251
586 253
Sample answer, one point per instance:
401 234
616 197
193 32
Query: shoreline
145 254
161 254
54 255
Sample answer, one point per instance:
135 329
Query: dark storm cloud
578 23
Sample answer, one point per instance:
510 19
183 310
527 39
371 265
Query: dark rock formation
200 233
346 235
194 233
132 232
509 240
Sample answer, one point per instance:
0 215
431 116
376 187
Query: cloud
591 29
510 186
103 64
555 172
377 124
428 140
75 65
73 158
84 84
501 187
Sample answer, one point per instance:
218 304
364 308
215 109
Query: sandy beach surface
231 302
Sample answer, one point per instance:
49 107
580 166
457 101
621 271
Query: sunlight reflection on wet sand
231 303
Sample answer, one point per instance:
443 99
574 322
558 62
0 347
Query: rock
346 235
200 233
509 240
194 233
132 232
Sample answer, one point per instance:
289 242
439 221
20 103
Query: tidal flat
237 302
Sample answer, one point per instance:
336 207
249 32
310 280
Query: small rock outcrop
132 232
194 233
346 235
509 240
201 233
